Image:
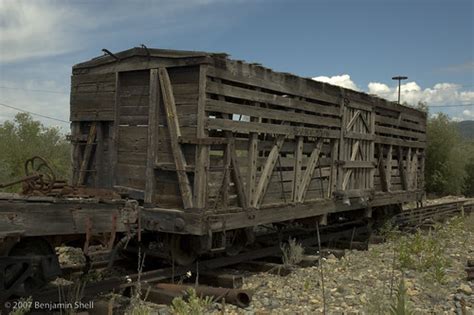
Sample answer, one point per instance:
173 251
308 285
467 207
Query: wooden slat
401 168
267 172
347 175
268 98
297 168
359 136
358 164
154 102
252 165
399 142
308 174
175 133
290 131
253 111
86 158
299 87
238 180
202 150
401 133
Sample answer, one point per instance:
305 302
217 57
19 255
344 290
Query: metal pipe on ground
241 298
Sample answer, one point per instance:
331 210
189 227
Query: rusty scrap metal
241 298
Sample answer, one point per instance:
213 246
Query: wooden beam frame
202 150
267 171
310 167
175 133
153 112
86 158
297 168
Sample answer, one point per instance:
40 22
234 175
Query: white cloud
412 93
343 80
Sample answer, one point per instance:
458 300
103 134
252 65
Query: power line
33 90
455 105
28 112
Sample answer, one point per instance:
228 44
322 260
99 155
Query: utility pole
399 78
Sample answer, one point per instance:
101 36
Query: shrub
292 253
191 304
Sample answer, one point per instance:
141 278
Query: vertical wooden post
308 174
99 156
175 134
86 158
76 150
401 168
115 131
333 175
342 150
267 171
154 102
252 165
297 168
371 156
389 168
382 167
202 150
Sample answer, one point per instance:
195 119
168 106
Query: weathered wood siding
92 97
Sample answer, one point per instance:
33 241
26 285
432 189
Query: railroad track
248 260
413 218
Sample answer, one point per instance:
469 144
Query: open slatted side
276 130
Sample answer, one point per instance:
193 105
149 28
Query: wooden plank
401 168
255 95
175 133
298 86
237 177
347 175
308 174
359 136
154 102
385 120
267 172
352 121
333 175
115 131
289 131
358 164
86 158
382 164
202 150
399 142
252 165
342 145
297 169
253 111
401 133
372 149
389 168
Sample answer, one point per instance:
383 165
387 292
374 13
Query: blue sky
356 44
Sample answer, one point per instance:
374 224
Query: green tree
469 180
446 157
24 138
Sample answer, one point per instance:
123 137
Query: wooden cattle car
211 144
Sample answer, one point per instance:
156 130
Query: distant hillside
466 129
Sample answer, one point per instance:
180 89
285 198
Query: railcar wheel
182 250
27 275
